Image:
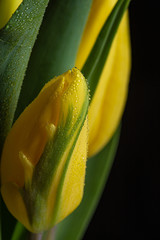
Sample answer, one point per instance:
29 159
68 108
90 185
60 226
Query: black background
130 205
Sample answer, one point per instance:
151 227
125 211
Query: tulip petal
100 10
7 8
111 93
107 71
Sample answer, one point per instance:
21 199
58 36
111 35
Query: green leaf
16 42
98 168
56 47
20 233
94 64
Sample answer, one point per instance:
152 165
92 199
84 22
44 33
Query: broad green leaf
56 47
98 168
16 42
95 62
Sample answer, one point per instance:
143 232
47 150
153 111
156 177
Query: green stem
36 236
48 235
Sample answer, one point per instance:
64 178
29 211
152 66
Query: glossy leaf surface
16 42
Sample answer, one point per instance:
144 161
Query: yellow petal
109 99
73 184
99 12
44 155
7 8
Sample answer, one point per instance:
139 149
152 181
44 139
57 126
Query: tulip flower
7 8
108 102
44 156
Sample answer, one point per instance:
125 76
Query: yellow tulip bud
109 99
44 156
7 8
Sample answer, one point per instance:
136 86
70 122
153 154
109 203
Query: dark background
130 205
